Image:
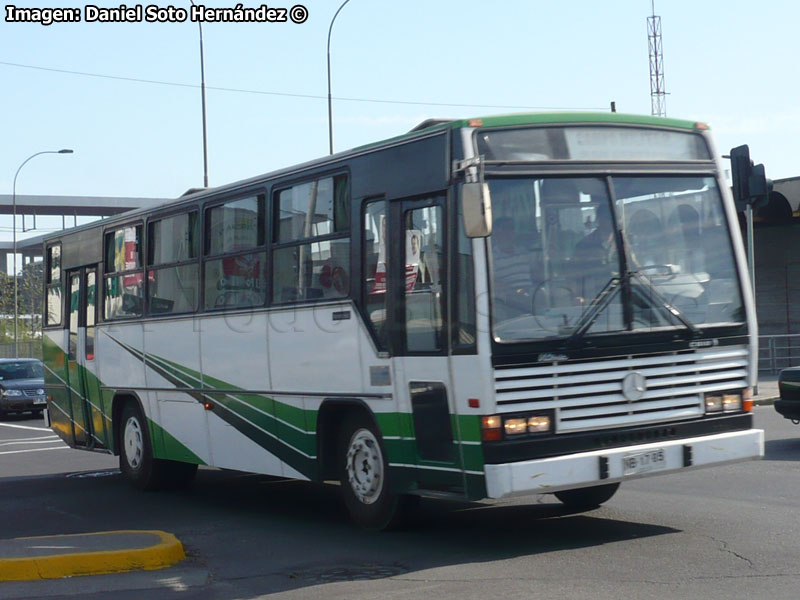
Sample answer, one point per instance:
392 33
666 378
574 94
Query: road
729 532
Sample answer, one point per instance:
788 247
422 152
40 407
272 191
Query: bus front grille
588 394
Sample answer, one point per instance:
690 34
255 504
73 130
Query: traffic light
750 182
740 175
759 186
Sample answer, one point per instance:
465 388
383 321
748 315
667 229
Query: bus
480 308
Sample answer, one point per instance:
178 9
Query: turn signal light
491 428
747 400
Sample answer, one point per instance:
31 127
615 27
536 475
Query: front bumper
585 469
11 404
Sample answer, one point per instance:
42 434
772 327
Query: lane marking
25 427
30 439
52 440
35 450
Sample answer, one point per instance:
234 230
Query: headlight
731 402
40 392
723 402
539 424
12 392
498 427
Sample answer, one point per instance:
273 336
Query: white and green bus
525 304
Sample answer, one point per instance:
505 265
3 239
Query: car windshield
565 263
21 370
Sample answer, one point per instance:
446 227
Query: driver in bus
594 258
512 264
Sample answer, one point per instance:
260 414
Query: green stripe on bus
172 448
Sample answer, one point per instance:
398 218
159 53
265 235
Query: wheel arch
332 414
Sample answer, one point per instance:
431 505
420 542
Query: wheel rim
133 443
365 466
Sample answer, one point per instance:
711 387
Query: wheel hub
133 443
365 466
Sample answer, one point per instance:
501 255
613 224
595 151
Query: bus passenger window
375 260
235 275
312 227
53 273
124 282
424 293
174 273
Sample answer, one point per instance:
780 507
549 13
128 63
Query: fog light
539 424
516 426
713 404
731 402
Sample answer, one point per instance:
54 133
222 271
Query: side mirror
476 206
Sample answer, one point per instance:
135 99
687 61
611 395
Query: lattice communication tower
658 95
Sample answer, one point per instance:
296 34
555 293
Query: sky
731 64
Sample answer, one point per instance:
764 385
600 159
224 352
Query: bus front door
422 370
87 420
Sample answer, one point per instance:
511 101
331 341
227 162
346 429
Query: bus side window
424 250
375 260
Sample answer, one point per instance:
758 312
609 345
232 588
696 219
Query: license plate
39 401
644 462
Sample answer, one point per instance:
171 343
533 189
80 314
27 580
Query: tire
364 475
136 451
587 498
136 456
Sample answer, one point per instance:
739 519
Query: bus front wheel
364 475
587 498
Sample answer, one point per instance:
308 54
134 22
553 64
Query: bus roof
422 131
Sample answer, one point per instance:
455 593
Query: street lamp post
14 233
330 103
203 97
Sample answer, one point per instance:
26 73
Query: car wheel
587 498
364 475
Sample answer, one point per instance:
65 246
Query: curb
22 563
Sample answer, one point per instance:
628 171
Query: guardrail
776 352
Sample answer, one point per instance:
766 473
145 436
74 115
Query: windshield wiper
596 306
604 297
665 304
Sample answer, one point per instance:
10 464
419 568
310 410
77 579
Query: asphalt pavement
120 551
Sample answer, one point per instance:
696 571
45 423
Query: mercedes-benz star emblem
634 386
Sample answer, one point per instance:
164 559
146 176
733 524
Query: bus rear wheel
364 475
136 452
587 498
136 456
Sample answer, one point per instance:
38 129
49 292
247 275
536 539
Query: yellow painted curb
167 552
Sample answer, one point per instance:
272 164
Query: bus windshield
566 263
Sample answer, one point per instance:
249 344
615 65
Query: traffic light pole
751 265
